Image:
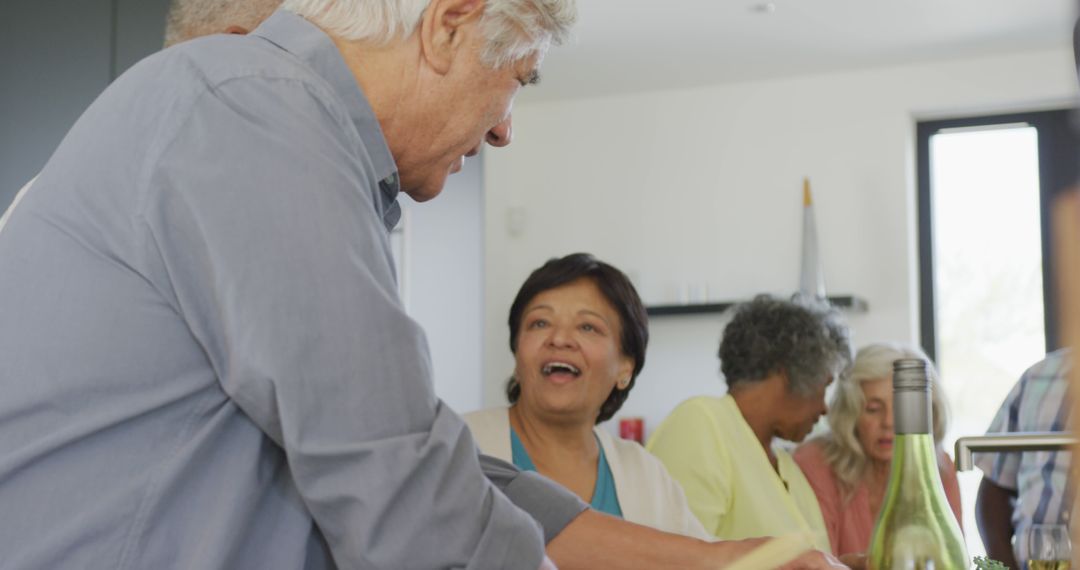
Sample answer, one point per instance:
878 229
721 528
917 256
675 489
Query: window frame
1058 148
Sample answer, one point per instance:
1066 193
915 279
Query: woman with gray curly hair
848 466
777 358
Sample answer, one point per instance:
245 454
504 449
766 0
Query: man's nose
500 134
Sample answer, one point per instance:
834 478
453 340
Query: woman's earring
624 383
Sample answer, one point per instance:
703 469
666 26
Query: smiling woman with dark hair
578 332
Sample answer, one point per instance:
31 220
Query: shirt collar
311 45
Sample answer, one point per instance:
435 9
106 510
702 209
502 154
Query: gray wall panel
54 60
140 30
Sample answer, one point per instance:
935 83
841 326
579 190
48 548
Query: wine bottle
916 529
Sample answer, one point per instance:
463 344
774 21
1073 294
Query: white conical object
811 274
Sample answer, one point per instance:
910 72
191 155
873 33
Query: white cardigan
647 494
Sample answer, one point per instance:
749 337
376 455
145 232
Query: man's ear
442 27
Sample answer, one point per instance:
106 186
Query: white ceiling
638 45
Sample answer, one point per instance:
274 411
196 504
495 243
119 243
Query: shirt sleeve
550 504
261 212
1003 468
688 523
689 445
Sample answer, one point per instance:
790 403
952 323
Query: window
986 273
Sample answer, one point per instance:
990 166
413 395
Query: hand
854 561
547 564
808 560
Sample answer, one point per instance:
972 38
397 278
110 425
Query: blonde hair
843 451
514 29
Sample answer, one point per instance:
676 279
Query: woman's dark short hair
615 287
804 339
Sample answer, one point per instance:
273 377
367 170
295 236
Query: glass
1049 547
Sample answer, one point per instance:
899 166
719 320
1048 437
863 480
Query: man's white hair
189 19
514 29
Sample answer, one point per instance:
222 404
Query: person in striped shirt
1023 489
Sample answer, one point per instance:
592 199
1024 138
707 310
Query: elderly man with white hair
205 364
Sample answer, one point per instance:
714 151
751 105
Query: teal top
604 498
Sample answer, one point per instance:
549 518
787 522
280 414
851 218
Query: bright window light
987 276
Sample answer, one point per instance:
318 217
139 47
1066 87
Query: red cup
632 429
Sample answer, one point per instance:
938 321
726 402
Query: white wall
703 186
444 292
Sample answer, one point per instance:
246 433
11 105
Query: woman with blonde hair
848 467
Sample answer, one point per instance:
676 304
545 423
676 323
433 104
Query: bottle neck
911 412
914 456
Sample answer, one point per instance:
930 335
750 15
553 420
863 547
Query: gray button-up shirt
203 360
